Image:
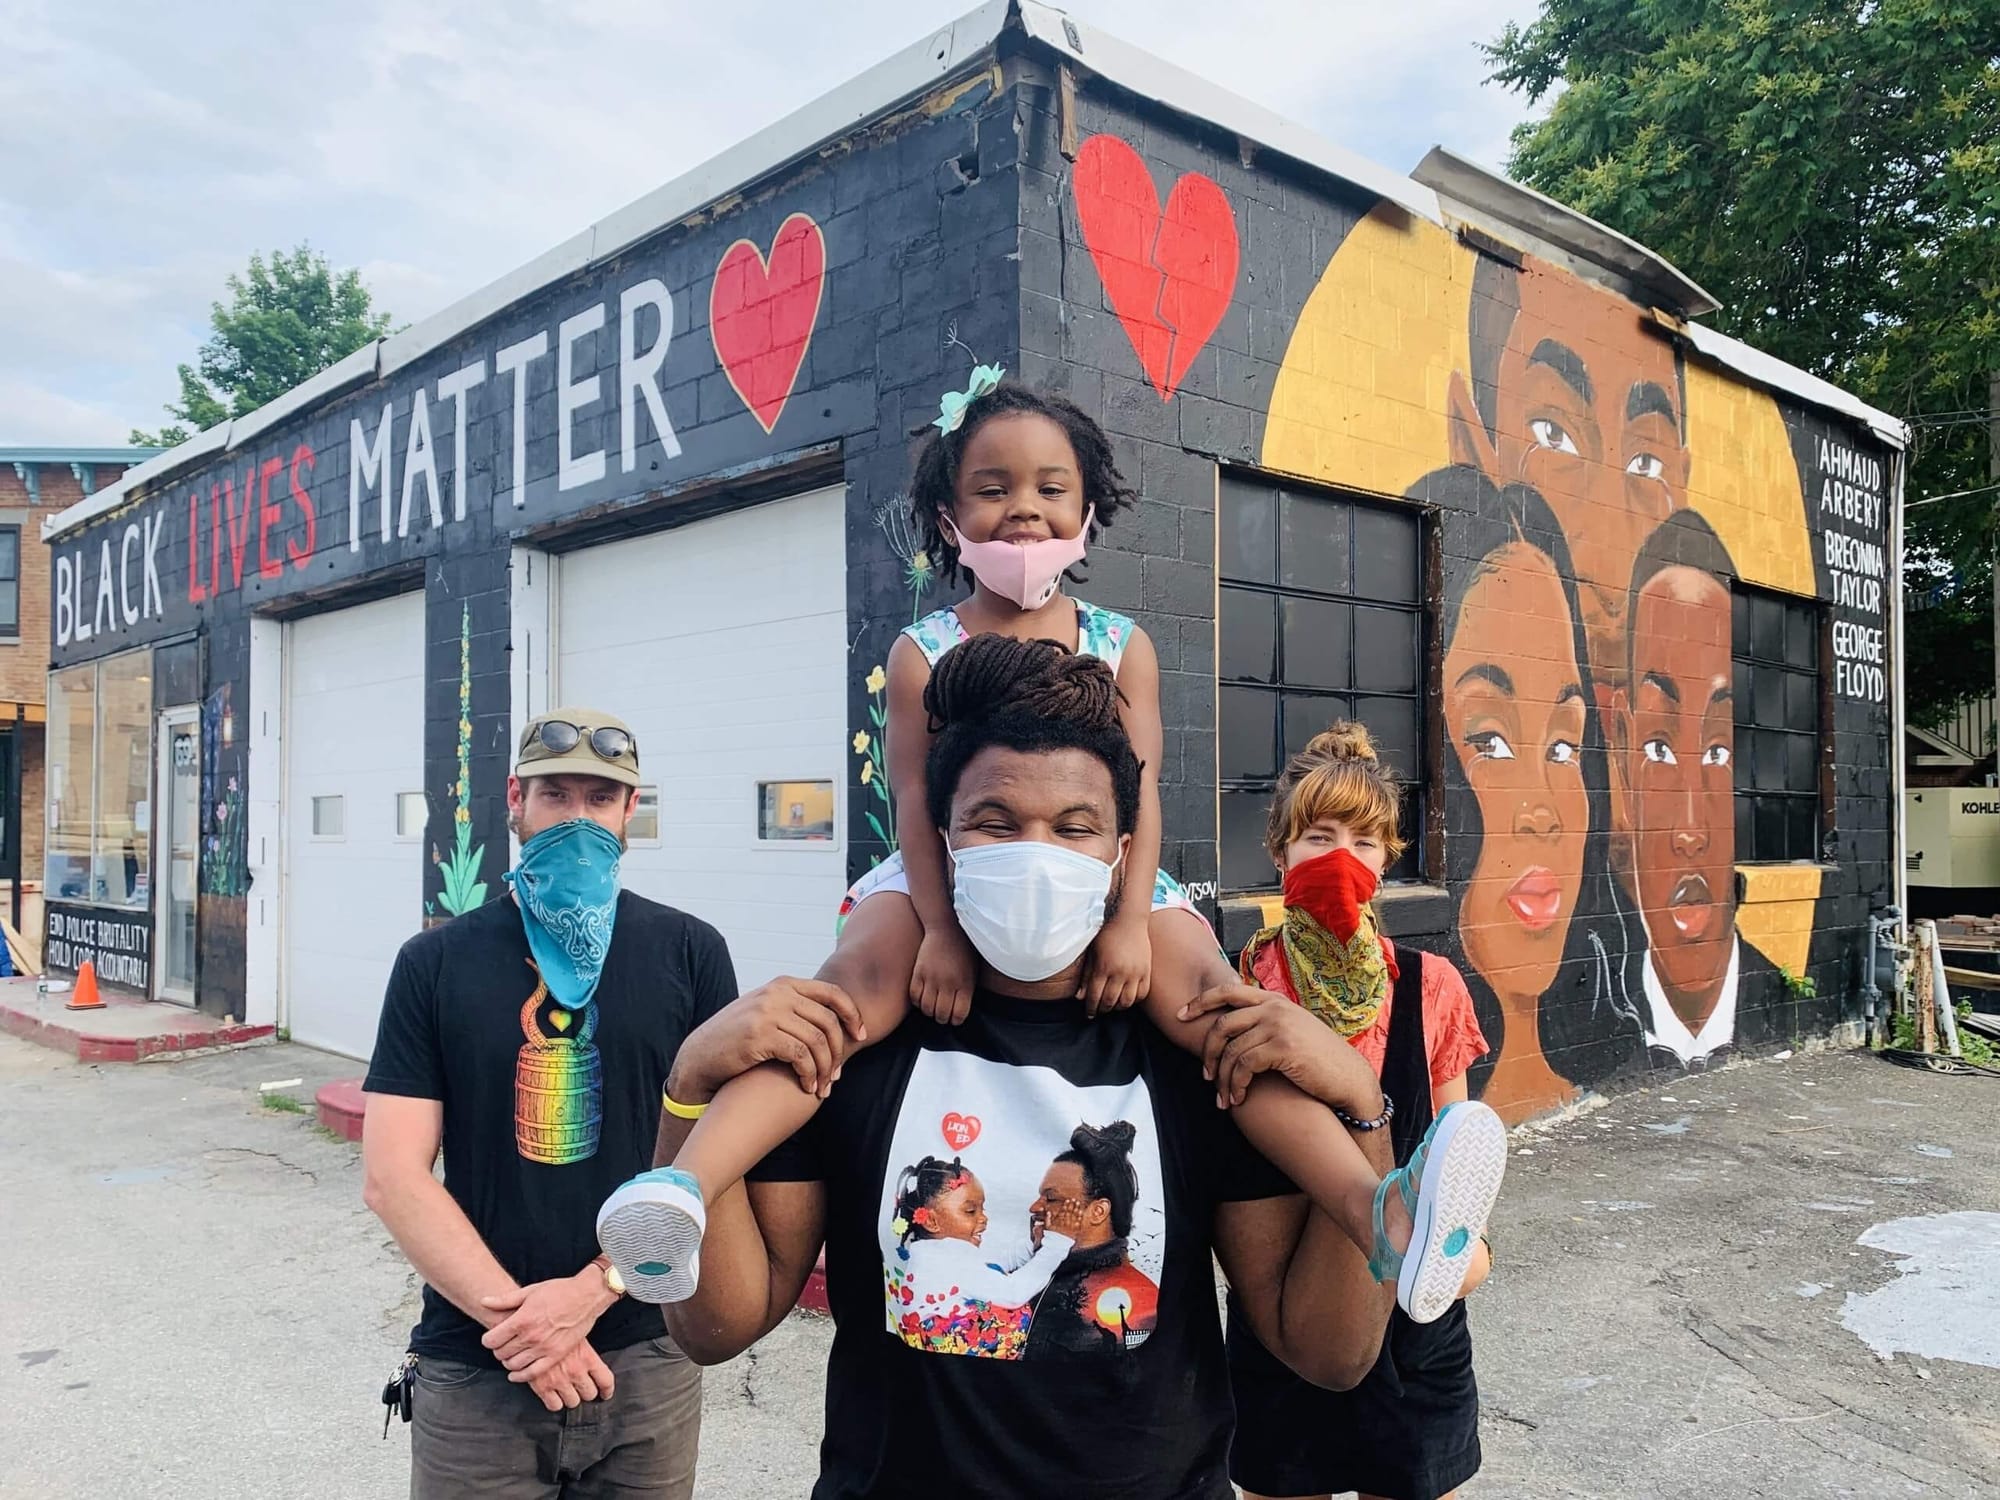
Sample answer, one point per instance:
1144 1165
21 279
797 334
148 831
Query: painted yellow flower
861 742
867 772
463 815
877 680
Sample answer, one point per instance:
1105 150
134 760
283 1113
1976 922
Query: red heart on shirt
960 1130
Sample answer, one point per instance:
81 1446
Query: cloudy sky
149 149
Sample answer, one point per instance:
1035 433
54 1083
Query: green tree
287 319
1830 171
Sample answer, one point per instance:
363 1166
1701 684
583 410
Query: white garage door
354 746
723 644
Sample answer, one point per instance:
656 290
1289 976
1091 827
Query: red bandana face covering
1339 962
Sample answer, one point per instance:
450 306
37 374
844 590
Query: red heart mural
960 1130
761 313
1168 273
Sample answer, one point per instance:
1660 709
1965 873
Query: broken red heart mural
761 313
960 1130
1168 273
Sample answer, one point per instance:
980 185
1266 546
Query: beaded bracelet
1388 1113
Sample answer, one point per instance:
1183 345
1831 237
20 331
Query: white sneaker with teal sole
1449 1186
652 1228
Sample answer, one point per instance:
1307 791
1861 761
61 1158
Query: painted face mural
1567 394
1514 708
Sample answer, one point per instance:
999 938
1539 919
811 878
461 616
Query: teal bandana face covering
567 885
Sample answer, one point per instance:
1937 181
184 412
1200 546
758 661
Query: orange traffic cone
86 996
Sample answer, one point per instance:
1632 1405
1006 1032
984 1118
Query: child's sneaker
1449 1187
651 1228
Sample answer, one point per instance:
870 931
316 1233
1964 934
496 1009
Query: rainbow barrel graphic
558 1090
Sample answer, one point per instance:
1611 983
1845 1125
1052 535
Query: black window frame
1405 743
12 632
1778 652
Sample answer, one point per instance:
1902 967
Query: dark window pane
1768 760
1393 723
1247 734
1746 828
10 553
1385 555
1385 650
1770 842
1247 544
1312 543
1744 696
1249 636
1802 702
10 608
1306 714
1802 829
1739 625
1317 643
1410 824
1802 636
1767 627
1245 864
1801 763
1768 708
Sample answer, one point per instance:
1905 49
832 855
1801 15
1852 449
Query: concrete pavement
1693 1285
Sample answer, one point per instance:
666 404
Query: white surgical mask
1029 908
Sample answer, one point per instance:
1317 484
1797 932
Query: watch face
613 1280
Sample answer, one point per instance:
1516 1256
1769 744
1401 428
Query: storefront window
72 787
100 774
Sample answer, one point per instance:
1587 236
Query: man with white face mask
1035 787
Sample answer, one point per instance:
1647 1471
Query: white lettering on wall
1857 567
514 360
452 388
368 468
65 611
573 469
419 462
125 576
102 619
640 373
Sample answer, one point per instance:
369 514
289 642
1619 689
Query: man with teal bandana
530 1042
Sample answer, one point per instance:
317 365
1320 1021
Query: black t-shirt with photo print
1002 1365
545 1111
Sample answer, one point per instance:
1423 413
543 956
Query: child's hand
941 984
1120 971
1063 1216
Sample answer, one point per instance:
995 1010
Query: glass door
177 850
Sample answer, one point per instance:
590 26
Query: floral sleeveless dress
1101 633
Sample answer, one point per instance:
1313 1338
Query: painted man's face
1679 742
1588 413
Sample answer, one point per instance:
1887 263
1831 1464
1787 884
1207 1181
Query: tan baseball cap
586 733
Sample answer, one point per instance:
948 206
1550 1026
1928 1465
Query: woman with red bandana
1410 1430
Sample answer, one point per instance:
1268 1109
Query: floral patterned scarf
1339 963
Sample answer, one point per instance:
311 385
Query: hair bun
1344 739
990 673
1098 1140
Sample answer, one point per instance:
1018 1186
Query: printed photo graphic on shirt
558 1083
1022 1216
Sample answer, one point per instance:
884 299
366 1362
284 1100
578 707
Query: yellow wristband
682 1111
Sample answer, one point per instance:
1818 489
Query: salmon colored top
1451 1030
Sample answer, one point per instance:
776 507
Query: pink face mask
1026 572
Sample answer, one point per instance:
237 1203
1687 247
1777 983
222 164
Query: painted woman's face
1514 707
960 1214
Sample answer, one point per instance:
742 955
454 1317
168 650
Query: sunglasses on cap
559 737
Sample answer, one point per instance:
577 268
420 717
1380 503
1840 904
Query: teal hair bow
951 410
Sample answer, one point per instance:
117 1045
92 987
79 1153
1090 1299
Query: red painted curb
92 1048
813 1298
341 1106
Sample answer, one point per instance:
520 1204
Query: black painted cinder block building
1616 593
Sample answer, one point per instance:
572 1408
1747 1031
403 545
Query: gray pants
473 1433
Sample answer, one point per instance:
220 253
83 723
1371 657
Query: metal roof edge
1484 191
77 455
1770 371
1133 68
212 440
357 368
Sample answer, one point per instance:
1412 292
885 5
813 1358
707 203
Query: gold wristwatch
612 1279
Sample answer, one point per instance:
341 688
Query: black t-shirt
1094 1371
545 1111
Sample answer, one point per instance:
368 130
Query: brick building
35 483
1617 594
